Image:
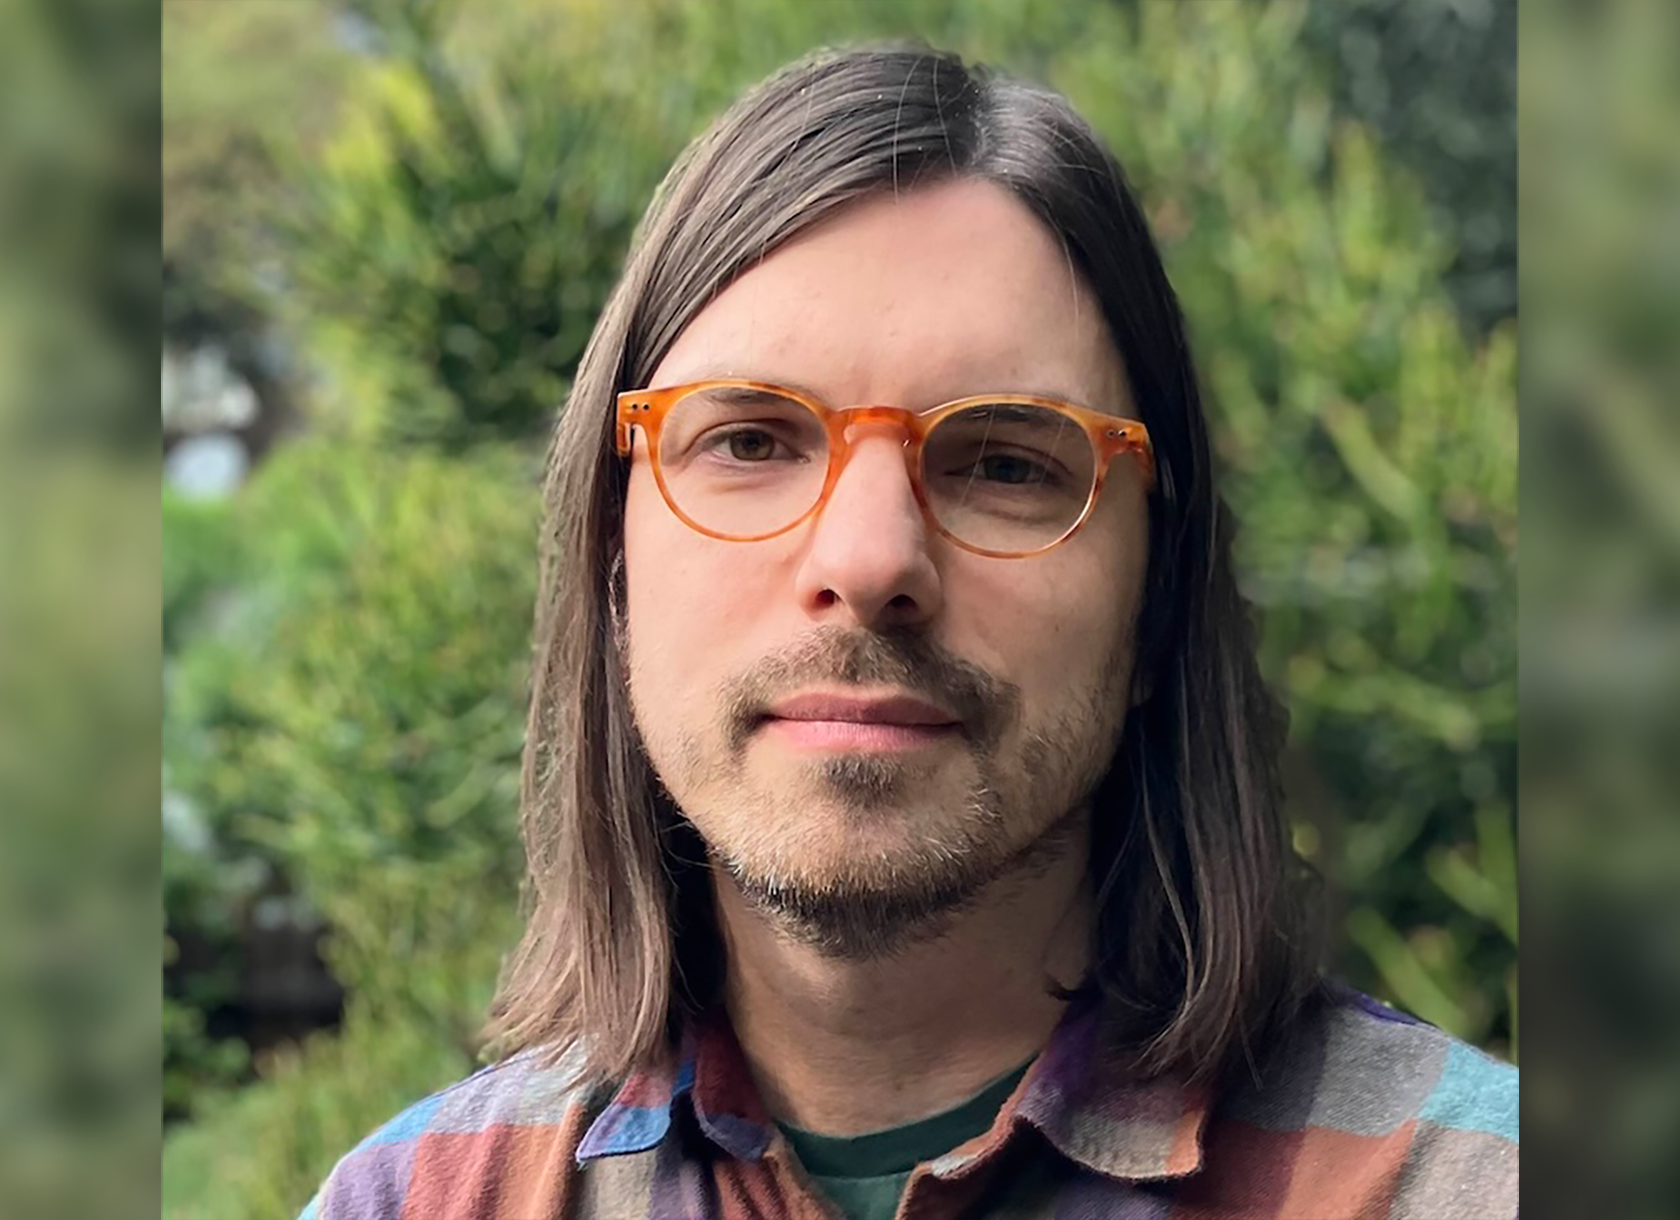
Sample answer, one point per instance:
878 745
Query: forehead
935 294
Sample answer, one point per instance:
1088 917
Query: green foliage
78 781
207 880
194 1064
1601 592
201 552
203 892
315 729
78 611
262 1152
245 88
1435 82
356 716
457 240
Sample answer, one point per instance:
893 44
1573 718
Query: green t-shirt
865 1175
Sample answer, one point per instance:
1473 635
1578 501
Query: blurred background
387 228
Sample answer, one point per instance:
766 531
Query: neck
844 1047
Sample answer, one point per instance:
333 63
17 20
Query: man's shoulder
438 1140
1368 1066
1362 1092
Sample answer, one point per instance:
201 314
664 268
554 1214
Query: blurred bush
207 884
1435 82
79 1022
346 697
1601 600
247 89
260 1153
457 238
356 712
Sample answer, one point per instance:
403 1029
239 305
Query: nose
868 556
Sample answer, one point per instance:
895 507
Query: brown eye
750 445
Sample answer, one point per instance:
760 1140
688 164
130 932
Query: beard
862 855
867 919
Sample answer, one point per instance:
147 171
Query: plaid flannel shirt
1360 1113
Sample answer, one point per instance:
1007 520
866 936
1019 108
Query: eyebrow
806 392
749 396
1013 413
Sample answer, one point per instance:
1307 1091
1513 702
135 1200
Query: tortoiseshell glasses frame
1109 436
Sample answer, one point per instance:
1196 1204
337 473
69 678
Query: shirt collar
706 1072
1078 1094
1084 1097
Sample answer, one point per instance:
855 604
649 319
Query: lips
903 710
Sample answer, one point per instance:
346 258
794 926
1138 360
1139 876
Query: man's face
855 835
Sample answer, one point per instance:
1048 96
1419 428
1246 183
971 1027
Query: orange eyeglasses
1002 475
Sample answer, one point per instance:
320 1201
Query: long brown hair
1201 946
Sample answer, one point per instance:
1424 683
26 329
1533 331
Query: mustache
906 659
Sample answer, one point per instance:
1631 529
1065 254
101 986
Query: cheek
1045 639
686 601
655 569
1053 625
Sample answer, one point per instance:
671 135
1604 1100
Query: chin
884 844
860 902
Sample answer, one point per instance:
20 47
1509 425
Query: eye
1011 468
1007 470
749 445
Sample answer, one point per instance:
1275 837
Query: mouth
887 723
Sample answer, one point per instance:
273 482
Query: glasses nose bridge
847 426
843 419
846 423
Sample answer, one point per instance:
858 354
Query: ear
616 599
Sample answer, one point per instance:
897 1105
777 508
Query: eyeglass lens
744 462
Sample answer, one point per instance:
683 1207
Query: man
900 793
